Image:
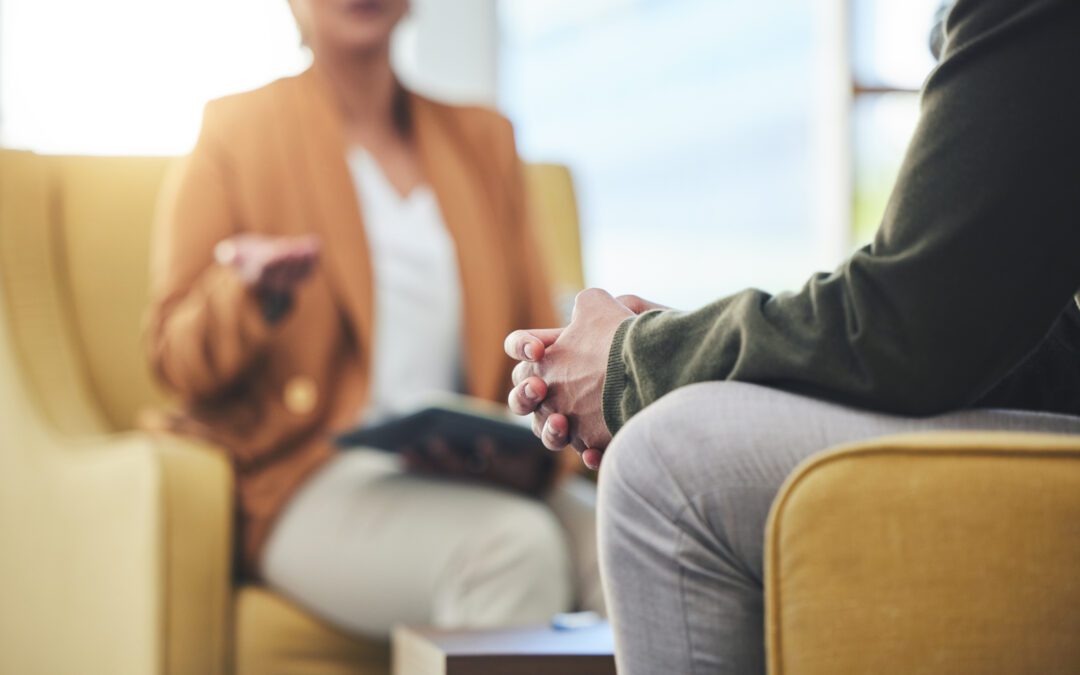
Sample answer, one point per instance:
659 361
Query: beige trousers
366 546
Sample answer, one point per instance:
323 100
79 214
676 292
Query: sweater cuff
615 380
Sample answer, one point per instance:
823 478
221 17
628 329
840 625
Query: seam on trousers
735 548
687 506
680 534
653 445
682 597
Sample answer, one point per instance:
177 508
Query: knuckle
588 295
513 341
522 401
514 402
521 371
590 298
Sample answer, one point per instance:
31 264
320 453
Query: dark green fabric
976 259
615 379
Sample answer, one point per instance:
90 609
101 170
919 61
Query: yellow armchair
928 554
117 551
116 542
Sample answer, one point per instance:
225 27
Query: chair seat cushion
275 637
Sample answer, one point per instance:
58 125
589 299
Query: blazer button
301 395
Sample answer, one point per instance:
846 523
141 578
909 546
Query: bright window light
691 130
132 76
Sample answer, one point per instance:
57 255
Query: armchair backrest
74 243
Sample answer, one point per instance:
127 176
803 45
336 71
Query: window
132 76
697 134
890 60
690 127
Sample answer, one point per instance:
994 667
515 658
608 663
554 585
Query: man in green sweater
963 302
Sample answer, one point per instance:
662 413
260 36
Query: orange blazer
273 161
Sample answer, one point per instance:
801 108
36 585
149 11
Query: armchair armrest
114 548
929 553
196 541
116 552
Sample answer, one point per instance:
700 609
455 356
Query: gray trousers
685 490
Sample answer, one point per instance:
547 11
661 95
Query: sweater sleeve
1048 379
206 327
978 252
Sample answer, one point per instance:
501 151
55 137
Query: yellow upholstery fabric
274 636
35 298
102 217
117 543
553 208
931 554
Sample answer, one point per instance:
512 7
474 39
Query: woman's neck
365 88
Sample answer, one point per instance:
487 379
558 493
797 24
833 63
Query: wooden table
513 651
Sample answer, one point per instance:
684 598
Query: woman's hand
531 470
270 265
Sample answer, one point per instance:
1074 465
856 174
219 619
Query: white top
418 310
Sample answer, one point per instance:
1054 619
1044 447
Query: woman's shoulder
479 124
238 111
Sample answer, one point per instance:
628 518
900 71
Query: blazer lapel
333 203
471 220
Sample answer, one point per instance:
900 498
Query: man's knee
704 443
640 469
674 437
630 458
701 459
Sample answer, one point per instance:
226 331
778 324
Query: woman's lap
367 546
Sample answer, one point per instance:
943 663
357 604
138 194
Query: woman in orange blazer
331 241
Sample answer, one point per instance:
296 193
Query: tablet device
457 426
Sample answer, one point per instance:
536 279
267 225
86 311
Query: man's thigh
714 455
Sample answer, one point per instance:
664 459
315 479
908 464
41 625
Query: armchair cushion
275 636
933 553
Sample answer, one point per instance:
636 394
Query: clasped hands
560 374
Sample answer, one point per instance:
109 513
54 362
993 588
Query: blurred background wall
730 143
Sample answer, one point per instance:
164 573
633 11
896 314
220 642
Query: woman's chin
360 39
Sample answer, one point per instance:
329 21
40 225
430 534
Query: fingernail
530 393
530 351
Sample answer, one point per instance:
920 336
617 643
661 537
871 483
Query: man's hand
270 265
561 374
